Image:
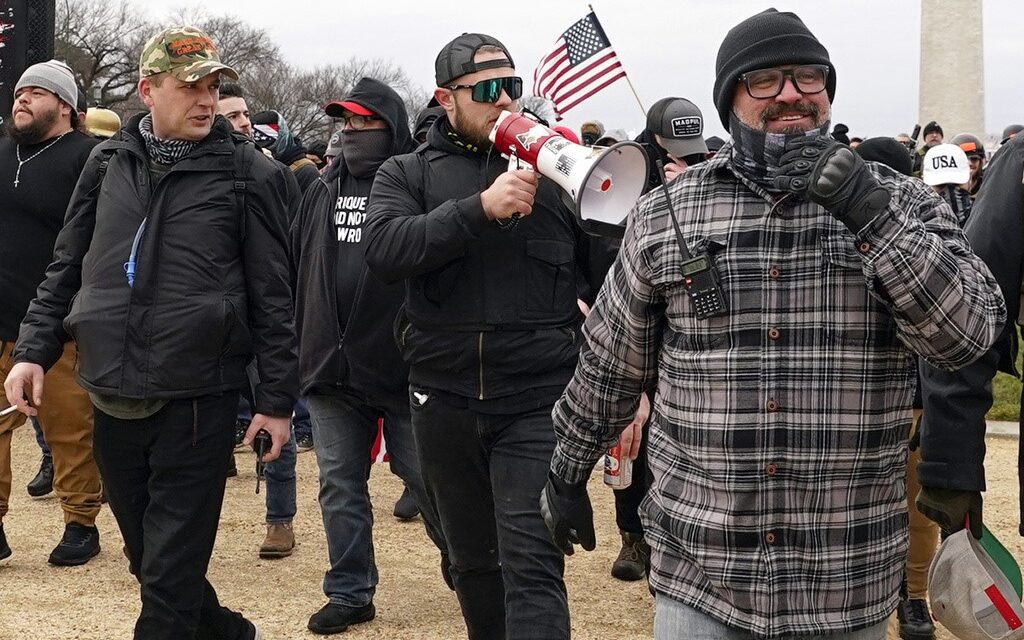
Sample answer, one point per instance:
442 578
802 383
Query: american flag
581 64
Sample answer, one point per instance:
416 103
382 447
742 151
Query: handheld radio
700 278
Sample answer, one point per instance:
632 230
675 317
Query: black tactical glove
950 508
834 176
568 514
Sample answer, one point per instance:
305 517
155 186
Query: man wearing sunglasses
490 330
783 360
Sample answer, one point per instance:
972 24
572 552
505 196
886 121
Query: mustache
776 110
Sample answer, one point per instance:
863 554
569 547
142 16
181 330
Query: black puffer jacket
363 356
211 287
489 312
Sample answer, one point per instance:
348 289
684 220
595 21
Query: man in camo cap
179 276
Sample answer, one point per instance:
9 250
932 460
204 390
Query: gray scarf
756 154
163 151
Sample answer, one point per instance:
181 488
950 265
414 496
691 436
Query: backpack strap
239 177
104 163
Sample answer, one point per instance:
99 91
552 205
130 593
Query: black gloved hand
568 514
950 508
834 176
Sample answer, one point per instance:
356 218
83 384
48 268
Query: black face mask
365 150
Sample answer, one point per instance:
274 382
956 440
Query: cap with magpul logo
679 126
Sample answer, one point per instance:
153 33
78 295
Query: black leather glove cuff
952 509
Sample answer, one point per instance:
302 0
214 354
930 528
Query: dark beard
473 135
34 133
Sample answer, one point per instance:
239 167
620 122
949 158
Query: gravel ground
99 601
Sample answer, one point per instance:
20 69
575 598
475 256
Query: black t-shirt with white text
349 217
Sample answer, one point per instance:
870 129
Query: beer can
618 469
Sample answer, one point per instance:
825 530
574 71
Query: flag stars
583 40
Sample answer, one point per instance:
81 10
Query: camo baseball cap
186 53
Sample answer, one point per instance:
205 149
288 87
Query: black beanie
888 152
768 39
932 127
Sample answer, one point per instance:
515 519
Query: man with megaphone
776 294
493 263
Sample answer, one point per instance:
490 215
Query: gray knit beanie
54 76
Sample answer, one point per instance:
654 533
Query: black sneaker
915 620
42 485
241 426
5 549
335 618
405 508
304 442
79 544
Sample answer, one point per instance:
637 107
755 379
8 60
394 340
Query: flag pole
636 95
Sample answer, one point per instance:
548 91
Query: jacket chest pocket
852 316
690 332
549 279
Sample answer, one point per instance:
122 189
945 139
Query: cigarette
8 410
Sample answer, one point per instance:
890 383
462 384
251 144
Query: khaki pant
66 419
924 537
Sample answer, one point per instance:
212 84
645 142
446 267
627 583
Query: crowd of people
194 280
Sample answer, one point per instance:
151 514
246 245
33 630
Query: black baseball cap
679 124
456 58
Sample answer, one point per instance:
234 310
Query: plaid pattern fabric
778 435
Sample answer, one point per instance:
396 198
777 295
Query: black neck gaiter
365 150
756 154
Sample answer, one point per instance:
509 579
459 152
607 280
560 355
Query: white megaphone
601 184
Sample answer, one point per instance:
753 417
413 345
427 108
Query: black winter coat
489 312
210 289
363 356
955 403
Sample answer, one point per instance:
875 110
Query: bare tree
101 41
301 95
243 47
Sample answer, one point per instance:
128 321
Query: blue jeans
300 421
485 473
39 436
280 477
673 619
344 428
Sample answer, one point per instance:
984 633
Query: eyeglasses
358 122
768 83
490 90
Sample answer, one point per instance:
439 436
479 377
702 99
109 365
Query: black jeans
484 474
627 501
164 476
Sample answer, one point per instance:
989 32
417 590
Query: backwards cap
456 58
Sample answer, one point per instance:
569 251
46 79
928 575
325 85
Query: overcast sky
667 48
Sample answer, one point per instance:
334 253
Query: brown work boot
279 542
634 559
